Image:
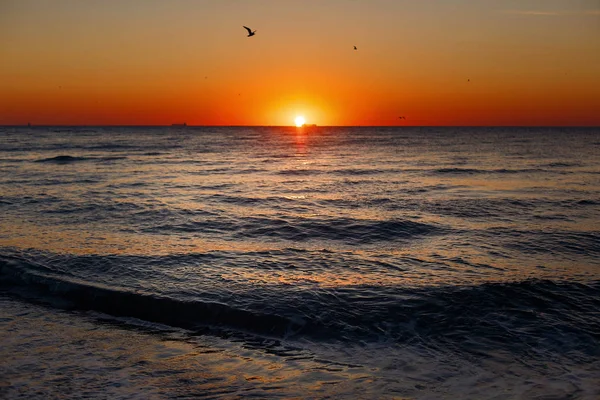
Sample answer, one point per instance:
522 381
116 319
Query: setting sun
299 121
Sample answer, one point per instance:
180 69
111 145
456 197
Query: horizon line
282 126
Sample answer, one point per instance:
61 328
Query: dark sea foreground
407 263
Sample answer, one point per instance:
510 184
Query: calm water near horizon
270 262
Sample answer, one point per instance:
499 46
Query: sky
433 62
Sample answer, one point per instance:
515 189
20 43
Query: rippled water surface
279 262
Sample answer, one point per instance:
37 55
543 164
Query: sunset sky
155 62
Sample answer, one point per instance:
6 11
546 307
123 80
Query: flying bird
355 48
250 32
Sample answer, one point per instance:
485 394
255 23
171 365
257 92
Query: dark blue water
342 262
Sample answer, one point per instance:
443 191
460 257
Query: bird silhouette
250 32
355 48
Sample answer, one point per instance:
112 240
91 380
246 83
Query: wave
62 159
584 202
299 172
559 164
361 171
302 229
65 159
472 171
115 146
515 316
72 130
271 201
578 243
39 280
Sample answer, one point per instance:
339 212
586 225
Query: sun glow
299 121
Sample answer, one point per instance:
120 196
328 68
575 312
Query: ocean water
265 262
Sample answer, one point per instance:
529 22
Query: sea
299 263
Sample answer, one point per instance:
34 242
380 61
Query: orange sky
151 62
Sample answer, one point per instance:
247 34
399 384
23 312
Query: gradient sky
151 62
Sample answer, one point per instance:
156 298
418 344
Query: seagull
355 48
250 32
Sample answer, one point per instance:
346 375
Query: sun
299 121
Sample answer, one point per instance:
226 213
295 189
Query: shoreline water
56 354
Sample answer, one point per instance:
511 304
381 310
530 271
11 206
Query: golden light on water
300 120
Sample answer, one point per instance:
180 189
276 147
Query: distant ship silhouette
179 125
309 125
